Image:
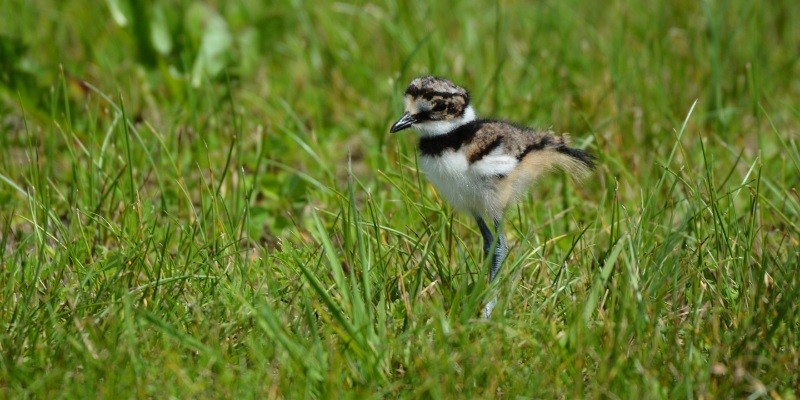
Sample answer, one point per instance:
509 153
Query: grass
203 200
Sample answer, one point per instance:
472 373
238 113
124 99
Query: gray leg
500 251
488 239
498 255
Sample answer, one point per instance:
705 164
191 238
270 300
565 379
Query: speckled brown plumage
436 99
481 137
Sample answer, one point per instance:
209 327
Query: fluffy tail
575 162
547 153
551 152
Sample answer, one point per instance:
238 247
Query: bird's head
434 106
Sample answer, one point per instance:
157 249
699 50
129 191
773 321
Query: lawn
203 200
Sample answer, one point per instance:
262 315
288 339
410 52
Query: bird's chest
450 173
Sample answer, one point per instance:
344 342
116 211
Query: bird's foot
489 307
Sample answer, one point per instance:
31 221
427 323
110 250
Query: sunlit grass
173 228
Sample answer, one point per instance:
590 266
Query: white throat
435 128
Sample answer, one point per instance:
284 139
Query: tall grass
203 200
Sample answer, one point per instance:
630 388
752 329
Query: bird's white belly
450 173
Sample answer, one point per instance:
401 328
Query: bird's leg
488 239
498 255
500 250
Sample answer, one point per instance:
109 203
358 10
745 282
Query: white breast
450 173
469 187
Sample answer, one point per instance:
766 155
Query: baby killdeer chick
481 166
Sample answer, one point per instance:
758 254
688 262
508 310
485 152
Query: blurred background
333 73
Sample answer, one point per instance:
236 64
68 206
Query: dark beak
404 122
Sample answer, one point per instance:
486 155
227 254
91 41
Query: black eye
439 106
422 116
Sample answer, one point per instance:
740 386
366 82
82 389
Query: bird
482 166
